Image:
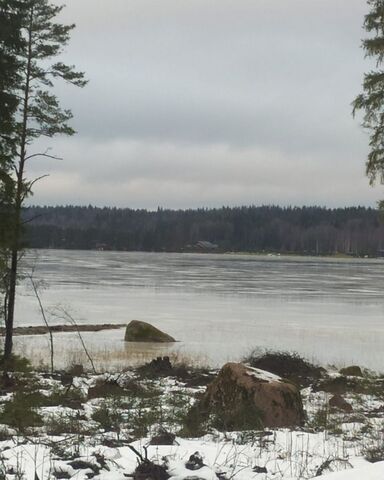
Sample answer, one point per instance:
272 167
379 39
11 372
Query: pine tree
38 114
371 101
10 46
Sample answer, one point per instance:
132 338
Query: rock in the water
242 397
138 331
337 401
352 371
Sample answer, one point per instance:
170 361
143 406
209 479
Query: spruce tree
38 114
371 100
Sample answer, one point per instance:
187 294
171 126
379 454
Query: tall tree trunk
19 197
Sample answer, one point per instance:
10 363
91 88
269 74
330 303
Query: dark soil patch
342 384
147 470
336 385
158 367
196 378
83 465
106 388
162 367
61 474
150 471
163 437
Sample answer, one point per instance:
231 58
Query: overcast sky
197 103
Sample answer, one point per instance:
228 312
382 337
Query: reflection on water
219 306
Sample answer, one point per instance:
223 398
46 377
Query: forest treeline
306 230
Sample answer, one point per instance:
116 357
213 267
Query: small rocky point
138 331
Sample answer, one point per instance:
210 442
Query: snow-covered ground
87 428
222 459
363 472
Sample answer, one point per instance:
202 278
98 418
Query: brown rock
336 385
352 371
337 401
242 397
138 331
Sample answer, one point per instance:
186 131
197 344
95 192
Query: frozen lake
218 306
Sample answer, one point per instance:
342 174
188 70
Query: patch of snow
263 374
373 471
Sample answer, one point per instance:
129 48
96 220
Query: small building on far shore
205 245
202 246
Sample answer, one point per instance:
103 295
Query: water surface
218 306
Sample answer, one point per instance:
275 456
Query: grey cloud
147 175
236 74
210 103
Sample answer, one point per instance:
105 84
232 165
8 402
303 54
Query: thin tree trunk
8 343
44 318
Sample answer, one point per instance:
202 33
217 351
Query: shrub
288 365
20 412
250 418
64 423
106 388
16 363
69 397
109 416
374 454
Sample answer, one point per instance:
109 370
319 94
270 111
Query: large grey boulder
138 331
243 397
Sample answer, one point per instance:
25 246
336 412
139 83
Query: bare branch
64 314
36 180
34 286
136 452
43 154
29 186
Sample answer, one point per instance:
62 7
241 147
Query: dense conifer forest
305 230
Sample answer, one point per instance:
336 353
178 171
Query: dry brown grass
105 359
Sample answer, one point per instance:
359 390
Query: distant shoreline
355 231
336 255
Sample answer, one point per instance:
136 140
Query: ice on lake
219 307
